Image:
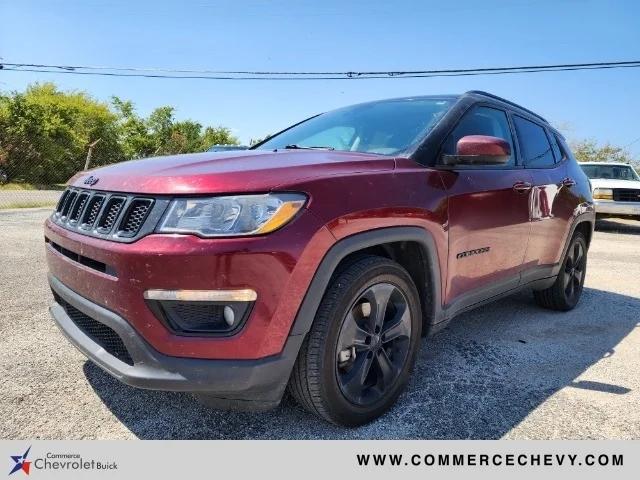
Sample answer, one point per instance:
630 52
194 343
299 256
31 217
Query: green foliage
591 151
45 133
218 136
255 141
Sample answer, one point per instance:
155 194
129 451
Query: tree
591 151
46 134
133 134
217 136
255 141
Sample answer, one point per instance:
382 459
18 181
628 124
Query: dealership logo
21 463
91 180
59 461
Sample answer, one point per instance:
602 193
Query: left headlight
231 215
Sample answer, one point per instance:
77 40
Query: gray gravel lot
35 198
506 370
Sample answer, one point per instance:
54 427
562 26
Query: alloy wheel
373 344
574 271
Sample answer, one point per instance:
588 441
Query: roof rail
496 97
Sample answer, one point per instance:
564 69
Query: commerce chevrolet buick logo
21 463
91 180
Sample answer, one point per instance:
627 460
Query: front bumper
612 207
115 275
246 383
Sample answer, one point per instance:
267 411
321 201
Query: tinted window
566 151
535 148
618 172
481 121
386 127
558 151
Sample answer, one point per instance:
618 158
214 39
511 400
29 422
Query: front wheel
565 293
358 356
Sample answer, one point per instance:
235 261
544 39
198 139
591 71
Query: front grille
135 216
112 216
78 206
68 202
101 334
91 213
626 195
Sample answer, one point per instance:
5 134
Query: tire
565 293
349 338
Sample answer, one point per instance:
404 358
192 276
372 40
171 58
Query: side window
557 151
535 148
481 121
564 148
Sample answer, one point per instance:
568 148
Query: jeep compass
315 261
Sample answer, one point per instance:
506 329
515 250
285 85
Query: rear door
488 215
544 160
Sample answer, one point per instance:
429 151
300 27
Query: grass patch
32 186
27 204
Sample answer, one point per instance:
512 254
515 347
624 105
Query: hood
613 183
227 172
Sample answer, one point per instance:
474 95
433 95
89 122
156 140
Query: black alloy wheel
358 356
373 344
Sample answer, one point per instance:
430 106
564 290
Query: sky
334 35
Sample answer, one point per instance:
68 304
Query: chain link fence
24 192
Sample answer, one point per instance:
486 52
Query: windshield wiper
293 146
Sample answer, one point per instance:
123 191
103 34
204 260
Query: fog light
201 313
229 315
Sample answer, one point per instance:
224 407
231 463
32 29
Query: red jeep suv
317 259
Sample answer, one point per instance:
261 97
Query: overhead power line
309 75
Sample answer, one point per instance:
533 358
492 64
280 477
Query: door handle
568 182
522 187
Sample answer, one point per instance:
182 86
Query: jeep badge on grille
91 180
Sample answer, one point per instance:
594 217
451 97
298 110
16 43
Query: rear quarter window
535 149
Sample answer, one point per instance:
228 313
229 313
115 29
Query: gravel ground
35 198
506 370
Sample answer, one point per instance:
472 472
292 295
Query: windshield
386 127
617 172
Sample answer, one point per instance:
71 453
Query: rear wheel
565 293
357 357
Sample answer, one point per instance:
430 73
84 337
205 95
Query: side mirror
479 150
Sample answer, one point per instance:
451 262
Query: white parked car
616 188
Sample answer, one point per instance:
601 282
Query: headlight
231 216
603 194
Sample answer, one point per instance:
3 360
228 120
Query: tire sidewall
345 411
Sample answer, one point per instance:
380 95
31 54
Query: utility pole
91 145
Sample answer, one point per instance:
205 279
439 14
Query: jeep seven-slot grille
91 213
78 206
112 216
135 216
626 195
100 333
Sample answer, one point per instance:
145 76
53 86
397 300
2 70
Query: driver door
488 216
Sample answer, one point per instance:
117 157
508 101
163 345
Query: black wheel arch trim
585 217
360 241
